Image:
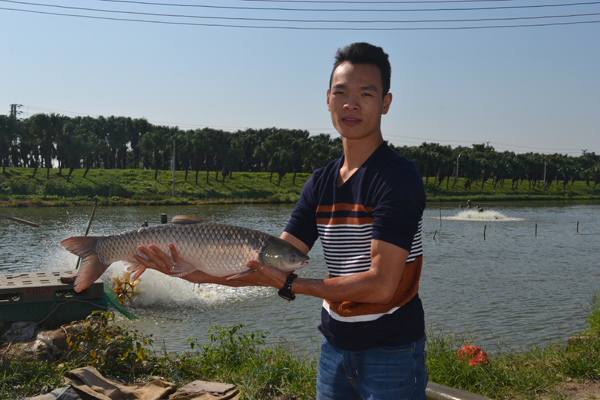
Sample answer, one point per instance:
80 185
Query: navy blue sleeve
303 221
399 206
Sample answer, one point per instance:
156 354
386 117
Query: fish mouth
304 264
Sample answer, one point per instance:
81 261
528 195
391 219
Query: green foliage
229 345
236 355
527 374
28 378
133 187
593 317
136 187
108 348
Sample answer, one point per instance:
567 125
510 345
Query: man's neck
356 152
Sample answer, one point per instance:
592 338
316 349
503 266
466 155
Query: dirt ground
581 391
54 345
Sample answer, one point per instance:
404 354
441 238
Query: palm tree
140 127
45 128
6 138
29 146
155 146
70 147
185 150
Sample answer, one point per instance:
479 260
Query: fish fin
134 268
186 219
182 268
91 267
241 274
137 271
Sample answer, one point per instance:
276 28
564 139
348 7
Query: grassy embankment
235 355
18 187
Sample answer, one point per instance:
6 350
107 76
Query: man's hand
172 265
265 275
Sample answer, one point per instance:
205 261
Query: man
367 209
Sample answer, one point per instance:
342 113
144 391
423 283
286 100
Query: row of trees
482 164
44 141
47 141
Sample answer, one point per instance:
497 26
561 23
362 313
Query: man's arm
377 285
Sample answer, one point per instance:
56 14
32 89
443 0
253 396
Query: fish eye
293 258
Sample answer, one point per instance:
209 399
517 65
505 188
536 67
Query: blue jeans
383 373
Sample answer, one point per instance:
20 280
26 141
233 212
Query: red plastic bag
474 354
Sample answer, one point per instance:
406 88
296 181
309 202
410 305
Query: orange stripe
344 221
407 289
344 207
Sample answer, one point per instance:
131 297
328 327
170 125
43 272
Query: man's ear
387 100
328 93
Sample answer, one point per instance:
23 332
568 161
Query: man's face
355 100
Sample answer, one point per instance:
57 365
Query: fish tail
91 267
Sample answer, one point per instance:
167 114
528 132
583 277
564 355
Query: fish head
281 254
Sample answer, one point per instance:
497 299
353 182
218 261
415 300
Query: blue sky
524 89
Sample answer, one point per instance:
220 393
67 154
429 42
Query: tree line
44 141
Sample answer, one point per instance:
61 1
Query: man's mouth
350 121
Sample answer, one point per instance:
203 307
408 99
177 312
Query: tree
155 146
322 149
140 127
198 149
6 138
184 152
70 147
46 128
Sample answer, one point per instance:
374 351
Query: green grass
238 356
131 187
579 190
527 374
232 355
18 187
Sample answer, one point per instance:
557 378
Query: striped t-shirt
384 199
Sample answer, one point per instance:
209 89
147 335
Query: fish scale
217 249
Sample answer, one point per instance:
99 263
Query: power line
304 20
375 2
302 28
352 9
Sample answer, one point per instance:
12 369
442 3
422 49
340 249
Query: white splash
476 215
159 290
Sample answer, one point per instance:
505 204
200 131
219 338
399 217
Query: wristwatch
286 291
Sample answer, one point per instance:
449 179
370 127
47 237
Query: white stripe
347 248
357 318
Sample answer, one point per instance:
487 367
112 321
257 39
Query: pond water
514 275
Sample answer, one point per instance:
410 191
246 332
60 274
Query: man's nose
351 104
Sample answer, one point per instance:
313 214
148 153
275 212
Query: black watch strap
286 291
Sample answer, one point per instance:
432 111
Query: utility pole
545 165
456 180
14 110
173 195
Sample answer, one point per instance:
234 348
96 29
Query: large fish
217 249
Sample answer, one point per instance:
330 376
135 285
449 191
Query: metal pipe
435 391
19 220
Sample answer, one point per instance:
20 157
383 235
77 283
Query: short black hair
365 53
